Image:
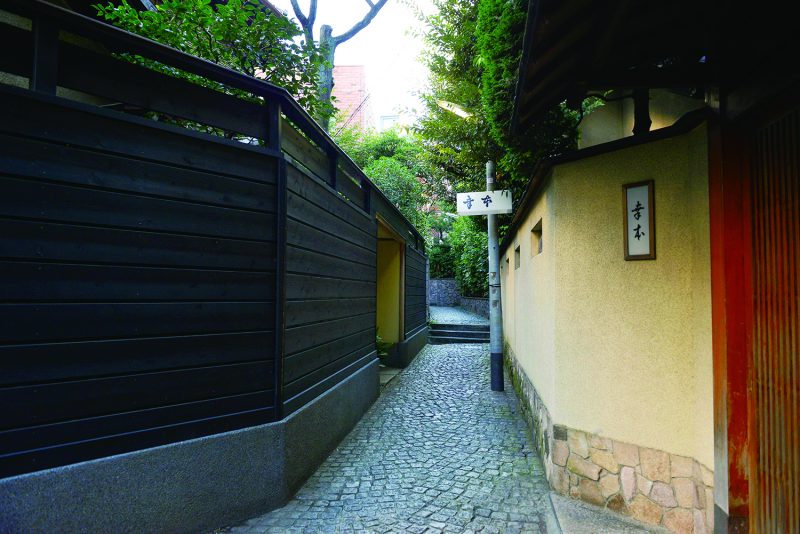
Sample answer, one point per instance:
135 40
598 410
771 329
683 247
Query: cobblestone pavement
453 315
438 452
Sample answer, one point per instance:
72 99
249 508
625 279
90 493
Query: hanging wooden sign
639 221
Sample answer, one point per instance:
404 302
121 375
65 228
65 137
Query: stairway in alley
441 334
456 325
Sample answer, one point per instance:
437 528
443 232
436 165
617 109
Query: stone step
459 333
472 327
444 340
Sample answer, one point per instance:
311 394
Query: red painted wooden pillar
732 320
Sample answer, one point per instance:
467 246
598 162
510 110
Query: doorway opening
390 291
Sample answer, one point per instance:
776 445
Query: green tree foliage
440 253
499 32
473 50
441 261
401 187
469 246
365 146
239 34
395 163
457 147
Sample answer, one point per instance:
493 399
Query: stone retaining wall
476 305
443 292
656 487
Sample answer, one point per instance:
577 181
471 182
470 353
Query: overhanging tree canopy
473 52
239 34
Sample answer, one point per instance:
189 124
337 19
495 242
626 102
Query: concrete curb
551 519
579 517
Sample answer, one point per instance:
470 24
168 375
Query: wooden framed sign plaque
639 221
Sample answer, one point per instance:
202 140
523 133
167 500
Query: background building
351 96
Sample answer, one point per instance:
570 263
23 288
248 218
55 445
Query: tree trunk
328 46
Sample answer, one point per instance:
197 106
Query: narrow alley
438 452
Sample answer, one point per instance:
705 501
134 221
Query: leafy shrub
470 249
402 188
441 261
381 347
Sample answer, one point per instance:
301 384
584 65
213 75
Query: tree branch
299 13
306 22
312 14
358 26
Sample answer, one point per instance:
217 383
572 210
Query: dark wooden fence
160 282
415 297
330 289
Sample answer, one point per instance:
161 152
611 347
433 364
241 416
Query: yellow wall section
614 347
614 120
389 286
529 323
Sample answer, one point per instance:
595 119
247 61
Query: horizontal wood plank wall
330 289
137 296
136 89
415 310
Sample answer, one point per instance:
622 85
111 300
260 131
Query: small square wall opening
536 238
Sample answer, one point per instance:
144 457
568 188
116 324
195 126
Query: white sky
386 48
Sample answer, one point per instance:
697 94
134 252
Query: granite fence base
403 353
653 486
191 486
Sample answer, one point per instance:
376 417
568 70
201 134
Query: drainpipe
495 311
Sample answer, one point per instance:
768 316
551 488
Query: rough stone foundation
475 305
656 487
443 292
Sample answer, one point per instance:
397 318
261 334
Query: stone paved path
438 452
452 315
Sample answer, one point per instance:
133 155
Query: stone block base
649 485
403 353
196 485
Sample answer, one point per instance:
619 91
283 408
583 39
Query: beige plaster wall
530 290
614 120
620 348
633 338
602 125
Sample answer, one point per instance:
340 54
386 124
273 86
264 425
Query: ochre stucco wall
614 120
388 289
614 347
530 322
